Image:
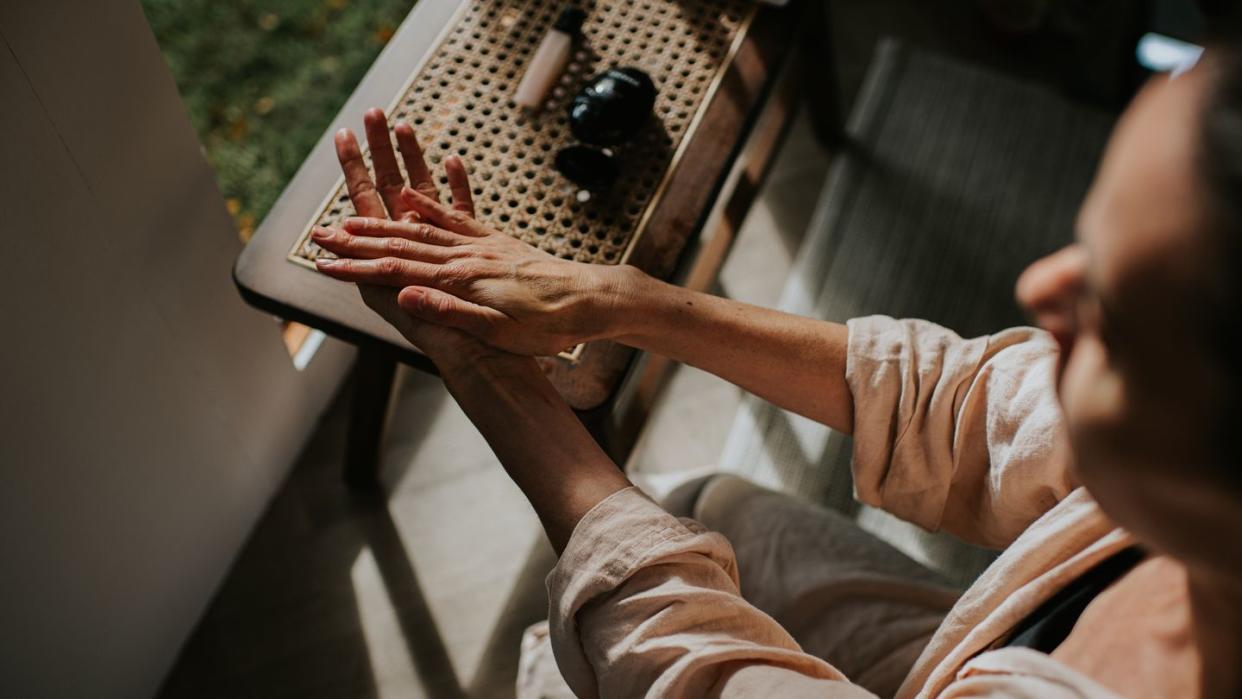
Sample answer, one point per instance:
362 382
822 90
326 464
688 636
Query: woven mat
459 100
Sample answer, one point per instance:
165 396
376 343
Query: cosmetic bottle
550 59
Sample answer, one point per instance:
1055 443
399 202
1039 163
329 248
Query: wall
146 414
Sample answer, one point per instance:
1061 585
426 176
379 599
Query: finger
342 244
357 178
447 218
459 185
385 271
415 164
418 232
388 178
383 300
442 308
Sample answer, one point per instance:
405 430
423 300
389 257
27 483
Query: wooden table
712 183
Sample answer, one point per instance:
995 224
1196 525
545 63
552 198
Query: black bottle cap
613 107
590 167
570 21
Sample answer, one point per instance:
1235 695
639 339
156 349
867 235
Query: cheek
1092 399
1117 456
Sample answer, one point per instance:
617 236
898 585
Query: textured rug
952 181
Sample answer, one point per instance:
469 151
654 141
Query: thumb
442 308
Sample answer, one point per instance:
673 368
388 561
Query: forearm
795 362
539 441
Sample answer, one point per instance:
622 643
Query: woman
1097 451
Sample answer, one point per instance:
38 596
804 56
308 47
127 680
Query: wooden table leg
598 421
619 433
372 378
820 81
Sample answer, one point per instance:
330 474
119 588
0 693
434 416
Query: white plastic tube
550 59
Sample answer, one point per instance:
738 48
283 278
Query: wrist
616 300
470 361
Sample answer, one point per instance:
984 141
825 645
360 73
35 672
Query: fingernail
326 262
414 299
320 234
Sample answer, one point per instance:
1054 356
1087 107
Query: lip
1065 347
1065 342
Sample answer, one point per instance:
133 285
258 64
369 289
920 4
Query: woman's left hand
453 270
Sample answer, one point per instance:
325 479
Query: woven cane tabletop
459 99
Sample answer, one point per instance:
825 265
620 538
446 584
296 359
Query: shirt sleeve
960 435
646 604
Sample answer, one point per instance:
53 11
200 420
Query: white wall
146 414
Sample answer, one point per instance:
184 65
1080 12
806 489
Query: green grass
262 79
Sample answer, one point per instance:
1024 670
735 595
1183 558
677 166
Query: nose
1048 290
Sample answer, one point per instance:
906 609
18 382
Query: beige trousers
846 596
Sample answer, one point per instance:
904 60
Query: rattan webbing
460 100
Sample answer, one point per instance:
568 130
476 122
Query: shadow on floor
324 600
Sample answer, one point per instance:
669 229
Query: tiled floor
427 594
698 403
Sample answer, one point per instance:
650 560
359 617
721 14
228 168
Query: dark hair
1221 165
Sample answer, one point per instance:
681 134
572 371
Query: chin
1170 514
1127 500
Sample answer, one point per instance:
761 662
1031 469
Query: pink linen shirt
957 435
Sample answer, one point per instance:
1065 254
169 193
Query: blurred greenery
262 79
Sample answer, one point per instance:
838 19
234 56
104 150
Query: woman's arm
795 362
540 442
614 556
460 273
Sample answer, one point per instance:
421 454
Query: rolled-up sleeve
954 434
646 604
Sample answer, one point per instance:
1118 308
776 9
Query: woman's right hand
457 272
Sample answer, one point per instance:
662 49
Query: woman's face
1138 389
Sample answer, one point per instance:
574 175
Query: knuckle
448 274
487 329
457 273
388 267
347 241
463 252
396 246
441 305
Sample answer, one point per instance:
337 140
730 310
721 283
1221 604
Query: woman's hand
457 272
505 395
380 198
